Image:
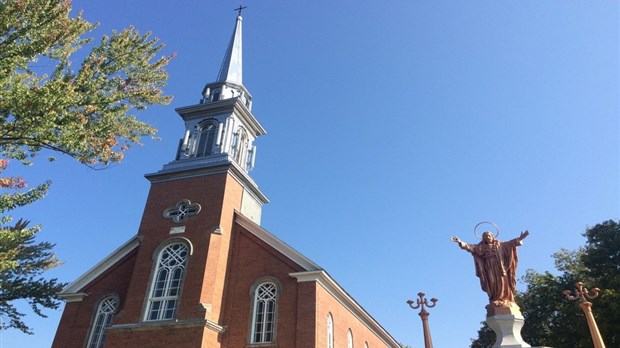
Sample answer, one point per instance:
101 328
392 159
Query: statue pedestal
507 329
507 322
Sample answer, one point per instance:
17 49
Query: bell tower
220 131
179 281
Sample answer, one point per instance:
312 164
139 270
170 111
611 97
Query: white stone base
508 331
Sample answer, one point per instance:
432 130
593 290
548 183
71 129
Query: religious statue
496 266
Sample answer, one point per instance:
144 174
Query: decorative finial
240 8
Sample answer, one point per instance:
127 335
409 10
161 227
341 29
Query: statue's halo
489 223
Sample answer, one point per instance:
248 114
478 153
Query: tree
551 320
601 259
22 260
85 113
486 337
48 105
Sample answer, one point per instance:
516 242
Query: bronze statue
496 266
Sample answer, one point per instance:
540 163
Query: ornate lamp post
421 302
583 295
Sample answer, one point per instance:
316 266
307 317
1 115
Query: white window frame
103 318
330 331
264 312
349 339
167 282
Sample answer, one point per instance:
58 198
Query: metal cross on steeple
240 8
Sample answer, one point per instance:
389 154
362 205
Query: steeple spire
232 67
221 129
229 82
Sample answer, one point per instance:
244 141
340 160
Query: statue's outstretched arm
458 241
524 234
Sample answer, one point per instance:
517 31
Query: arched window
264 313
240 148
216 95
349 339
365 344
103 317
164 296
330 331
208 134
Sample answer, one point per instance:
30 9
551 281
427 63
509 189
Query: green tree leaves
22 261
85 113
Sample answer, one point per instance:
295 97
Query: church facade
201 271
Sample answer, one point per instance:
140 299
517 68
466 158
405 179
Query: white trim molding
173 324
76 297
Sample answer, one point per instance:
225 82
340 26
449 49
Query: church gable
100 292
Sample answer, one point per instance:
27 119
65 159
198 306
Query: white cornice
330 285
71 292
76 297
276 243
233 104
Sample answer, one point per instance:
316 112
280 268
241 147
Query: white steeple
229 82
232 66
221 129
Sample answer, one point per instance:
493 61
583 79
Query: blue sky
391 127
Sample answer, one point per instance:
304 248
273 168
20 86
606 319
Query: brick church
202 272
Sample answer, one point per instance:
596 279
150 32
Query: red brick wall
156 338
306 315
253 260
200 285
